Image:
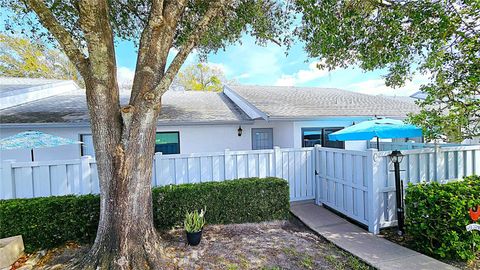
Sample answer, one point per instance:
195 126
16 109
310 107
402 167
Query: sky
248 63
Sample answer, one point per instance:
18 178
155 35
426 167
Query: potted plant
194 222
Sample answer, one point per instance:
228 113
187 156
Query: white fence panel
440 164
343 182
39 179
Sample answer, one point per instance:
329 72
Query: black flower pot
193 239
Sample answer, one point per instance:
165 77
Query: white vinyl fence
361 184
50 178
438 164
358 184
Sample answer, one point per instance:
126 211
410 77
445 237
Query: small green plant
194 221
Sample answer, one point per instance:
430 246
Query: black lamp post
396 157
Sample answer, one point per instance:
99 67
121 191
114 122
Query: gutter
159 124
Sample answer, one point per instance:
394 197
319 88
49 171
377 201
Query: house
241 117
420 95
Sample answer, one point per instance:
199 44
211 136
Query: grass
349 261
307 262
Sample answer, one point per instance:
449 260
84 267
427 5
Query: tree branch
95 23
48 20
187 47
155 42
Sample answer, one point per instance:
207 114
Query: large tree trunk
124 144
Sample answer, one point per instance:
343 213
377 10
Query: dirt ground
271 245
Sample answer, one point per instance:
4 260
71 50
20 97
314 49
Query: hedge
51 221
436 217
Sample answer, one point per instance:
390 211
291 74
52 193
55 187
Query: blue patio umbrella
379 128
32 140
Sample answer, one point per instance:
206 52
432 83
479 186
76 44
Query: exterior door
262 138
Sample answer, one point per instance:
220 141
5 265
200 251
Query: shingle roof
177 107
282 102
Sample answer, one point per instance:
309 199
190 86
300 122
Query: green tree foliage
437 38
21 58
201 77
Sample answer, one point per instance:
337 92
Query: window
262 138
167 142
86 148
331 144
313 136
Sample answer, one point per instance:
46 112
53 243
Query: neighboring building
422 96
239 118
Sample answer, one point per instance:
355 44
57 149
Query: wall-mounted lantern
240 131
396 157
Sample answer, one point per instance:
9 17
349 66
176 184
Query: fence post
7 185
158 169
316 174
374 195
228 165
440 164
277 159
85 175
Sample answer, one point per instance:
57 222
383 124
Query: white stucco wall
193 139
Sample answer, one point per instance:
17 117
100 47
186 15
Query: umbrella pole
31 152
378 144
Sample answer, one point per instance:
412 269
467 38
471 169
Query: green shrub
51 221
236 201
436 217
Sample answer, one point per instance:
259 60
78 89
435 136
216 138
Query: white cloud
220 66
286 80
378 87
251 63
302 76
243 76
125 75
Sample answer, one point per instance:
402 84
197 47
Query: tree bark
126 236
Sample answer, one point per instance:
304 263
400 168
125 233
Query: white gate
343 182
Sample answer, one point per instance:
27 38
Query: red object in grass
475 215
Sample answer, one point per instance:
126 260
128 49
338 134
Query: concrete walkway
376 251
